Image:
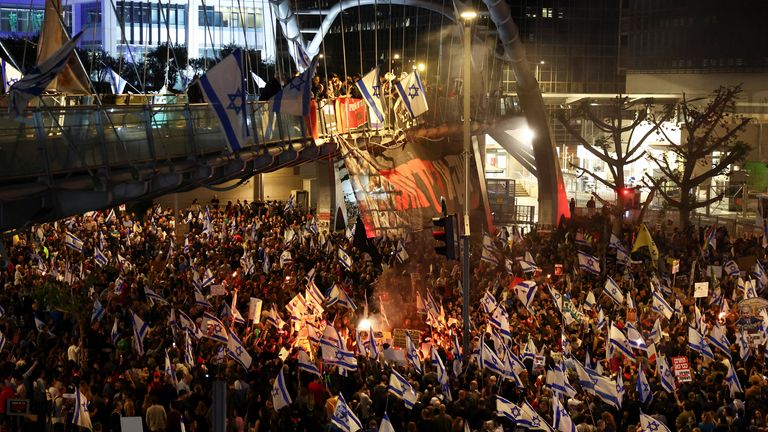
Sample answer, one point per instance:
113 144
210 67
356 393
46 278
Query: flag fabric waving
412 94
588 263
280 396
370 88
222 88
344 418
294 98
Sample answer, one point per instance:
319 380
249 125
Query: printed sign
700 289
674 265
17 407
682 369
254 309
398 337
558 269
539 361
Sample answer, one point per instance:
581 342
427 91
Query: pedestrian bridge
65 160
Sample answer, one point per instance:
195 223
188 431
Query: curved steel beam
331 14
552 199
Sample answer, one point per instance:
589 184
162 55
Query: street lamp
467 16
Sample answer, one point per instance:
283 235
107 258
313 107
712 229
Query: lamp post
467 16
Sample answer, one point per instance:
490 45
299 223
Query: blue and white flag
140 329
759 274
531 419
10 75
505 408
237 350
643 389
500 320
607 390
370 88
345 259
661 306
731 268
635 338
386 424
116 82
99 257
613 291
718 338
98 311
437 363
340 357
589 263
214 328
648 423
743 341
488 302
72 242
338 295
411 354
457 360
561 420
169 370
306 364
697 343
663 370
36 81
733 381
526 291
154 297
280 396
412 95
114 334
223 89
587 377
294 98
616 338
81 416
344 418
401 388
110 216
200 299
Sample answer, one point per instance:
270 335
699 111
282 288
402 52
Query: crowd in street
119 315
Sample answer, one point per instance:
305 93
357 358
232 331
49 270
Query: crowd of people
119 315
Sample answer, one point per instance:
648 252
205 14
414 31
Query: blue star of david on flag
236 101
376 90
413 91
297 83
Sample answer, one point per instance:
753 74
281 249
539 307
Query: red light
626 191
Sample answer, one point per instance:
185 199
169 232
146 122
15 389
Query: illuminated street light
397 56
422 67
468 15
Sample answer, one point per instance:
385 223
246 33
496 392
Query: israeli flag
634 338
306 365
648 423
338 295
36 81
294 98
457 360
661 306
531 419
587 377
718 338
401 388
588 263
116 82
743 342
500 320
386 424
10 75
667 379
200 299
222 88
622 255
616 338
607 390
731 268
437 363
370 88
759 273
488 301
280 396
140 330
98 311
237 351
560 417
340 357
215 329
114 334
643 389
697 343
412 354
81 417
733 381
72 242
505 408
110 216
344 418
412 94
345 259
153 296
526 291
612 289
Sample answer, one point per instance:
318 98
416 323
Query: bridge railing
56 140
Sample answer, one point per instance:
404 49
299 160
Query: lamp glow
468 15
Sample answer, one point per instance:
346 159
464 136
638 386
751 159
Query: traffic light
445 233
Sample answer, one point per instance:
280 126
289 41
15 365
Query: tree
708 125
623 116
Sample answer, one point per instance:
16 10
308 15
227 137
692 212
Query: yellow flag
644 239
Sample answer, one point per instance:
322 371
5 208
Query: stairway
520 191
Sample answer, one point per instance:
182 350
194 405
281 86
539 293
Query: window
546 13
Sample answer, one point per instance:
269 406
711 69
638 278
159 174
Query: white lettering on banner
682 369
